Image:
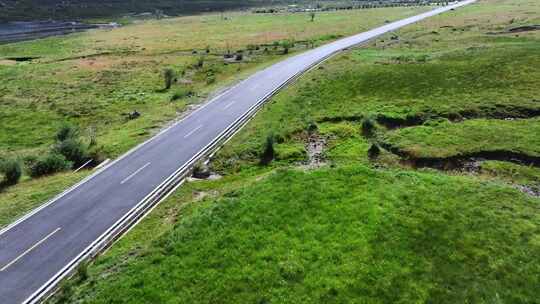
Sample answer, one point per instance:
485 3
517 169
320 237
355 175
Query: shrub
374 152
200 62
210 78
368 127
50 164
286 45
311 127
12 171
73 150
268 152
239 57
168 77
67 131
82 272
200 170
97 154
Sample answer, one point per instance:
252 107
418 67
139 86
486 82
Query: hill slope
361 229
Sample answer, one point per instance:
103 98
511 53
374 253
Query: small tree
286 45
200 62
12 171
368 127
50 164
268 153
168 77
73 150
67 131
374 151
312 15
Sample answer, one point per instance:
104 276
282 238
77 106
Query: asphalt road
35 249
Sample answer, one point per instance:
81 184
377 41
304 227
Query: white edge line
133 174
49 285
84 165
193 131
100 170
29 250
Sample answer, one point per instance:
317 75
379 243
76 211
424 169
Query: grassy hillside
328 222
95 79
357 235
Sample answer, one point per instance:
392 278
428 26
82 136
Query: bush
168 77
67 131
210 79
200 62
12 171
374 152
368 127
286 45
200 170
97 154
50 164
73 150
268 152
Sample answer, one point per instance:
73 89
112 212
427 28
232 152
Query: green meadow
359 226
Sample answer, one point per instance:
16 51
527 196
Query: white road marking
254 87
134 173
30 249
230 104
193 131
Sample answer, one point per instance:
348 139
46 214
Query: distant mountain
19 10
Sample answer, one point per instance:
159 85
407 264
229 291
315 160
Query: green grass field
397 237
450 139
94 79
360 230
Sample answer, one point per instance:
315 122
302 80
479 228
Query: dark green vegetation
11 171
367 227
446 139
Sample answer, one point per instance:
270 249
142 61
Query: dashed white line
193 131
134 173
30 249
230 104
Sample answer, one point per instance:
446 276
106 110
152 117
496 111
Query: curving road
43 247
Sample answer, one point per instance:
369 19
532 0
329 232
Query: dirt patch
518 29
94 64
530 190
201 195
463 162
7 62
315 146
